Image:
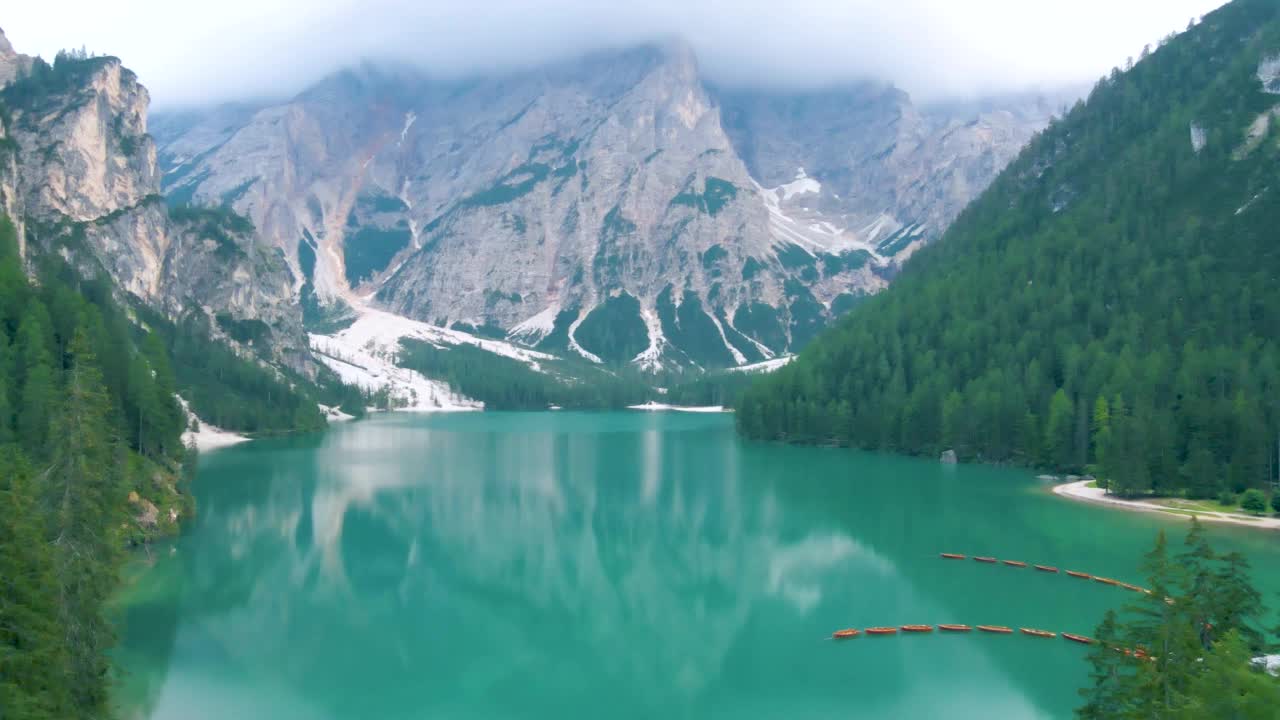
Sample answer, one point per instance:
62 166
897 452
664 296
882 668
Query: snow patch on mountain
766 366
738 357
804 227
650 359
1269 74
573 341
803 184
532 330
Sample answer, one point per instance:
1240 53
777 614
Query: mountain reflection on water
588 565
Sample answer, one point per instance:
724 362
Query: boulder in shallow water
948 457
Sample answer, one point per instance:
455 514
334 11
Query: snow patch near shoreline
364 354
656 406
205 436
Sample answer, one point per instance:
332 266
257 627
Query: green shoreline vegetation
1185 649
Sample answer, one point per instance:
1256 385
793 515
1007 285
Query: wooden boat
995 629
844 634
1127 586
881 630
917 628
953 556
985 559
955 628
1046 568
1014 563
1038 633
1078 638
1075 574
1107 581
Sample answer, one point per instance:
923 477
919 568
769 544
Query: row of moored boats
997 629
1049 569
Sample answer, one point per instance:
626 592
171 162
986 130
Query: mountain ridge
419 196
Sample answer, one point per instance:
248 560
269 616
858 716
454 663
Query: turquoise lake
616 565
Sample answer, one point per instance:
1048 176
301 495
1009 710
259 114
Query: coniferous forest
1109 304
89 427
92 460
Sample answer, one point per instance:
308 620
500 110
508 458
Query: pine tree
1111 673
1200 471
1159 627
38 392
1059 429
86 498
32 656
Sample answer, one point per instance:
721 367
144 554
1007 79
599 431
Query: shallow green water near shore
573 565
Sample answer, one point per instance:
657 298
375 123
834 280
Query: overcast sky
199 51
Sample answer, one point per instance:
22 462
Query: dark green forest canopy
1110 302
90 436
503 383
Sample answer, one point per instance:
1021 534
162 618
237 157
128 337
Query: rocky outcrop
83 177
12 64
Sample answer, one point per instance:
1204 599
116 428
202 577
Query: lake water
582 565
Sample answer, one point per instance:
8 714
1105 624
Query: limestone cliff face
11 62
890 173
80 173
612 206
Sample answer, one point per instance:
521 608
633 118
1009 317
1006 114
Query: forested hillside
1111 301
502 383
90 459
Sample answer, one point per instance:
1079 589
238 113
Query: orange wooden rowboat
1079 638
1073 573
1014 563
985 559
881 630
1107 581
844 634
995 629
1047 568
955 628
917 628
1038 633
953 556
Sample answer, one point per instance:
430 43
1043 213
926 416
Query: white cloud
208 51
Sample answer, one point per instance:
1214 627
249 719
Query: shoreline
1081 492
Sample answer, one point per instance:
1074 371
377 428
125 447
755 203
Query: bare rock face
613 206
889 173
82 175
11 63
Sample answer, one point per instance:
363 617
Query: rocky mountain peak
611 206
